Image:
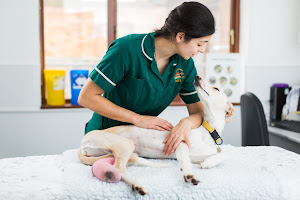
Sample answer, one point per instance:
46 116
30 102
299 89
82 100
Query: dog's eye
216 89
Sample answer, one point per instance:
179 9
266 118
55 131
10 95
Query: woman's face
193 47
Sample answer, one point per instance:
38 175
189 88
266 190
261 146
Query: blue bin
78 78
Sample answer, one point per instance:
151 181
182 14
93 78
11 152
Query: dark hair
192 18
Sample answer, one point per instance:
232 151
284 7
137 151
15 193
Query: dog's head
213 99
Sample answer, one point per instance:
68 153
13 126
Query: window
75 34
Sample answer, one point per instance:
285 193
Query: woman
141 74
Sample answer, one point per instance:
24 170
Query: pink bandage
104 170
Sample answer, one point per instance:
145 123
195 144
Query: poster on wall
224 71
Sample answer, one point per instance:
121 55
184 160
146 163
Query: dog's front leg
183 157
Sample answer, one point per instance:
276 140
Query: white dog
127 143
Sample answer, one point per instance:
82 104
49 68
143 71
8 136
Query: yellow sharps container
55 87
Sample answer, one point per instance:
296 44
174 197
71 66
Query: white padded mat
250 173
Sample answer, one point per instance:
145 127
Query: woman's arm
183 129
91 97
196 112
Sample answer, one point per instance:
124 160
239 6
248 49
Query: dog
128 143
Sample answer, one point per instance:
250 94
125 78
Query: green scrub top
129 76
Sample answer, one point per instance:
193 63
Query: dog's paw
191 179
138 189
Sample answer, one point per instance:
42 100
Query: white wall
274 33
41 132
19 55
268 43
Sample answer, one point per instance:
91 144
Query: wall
41 132
19 55
268 43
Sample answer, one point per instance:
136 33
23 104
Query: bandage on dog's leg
104 170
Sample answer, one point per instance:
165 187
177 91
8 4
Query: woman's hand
181 132
151 122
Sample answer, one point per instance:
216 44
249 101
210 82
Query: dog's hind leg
183 157
123 154
132 183
88 160
122 149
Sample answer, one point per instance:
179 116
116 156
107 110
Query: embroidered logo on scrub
179 76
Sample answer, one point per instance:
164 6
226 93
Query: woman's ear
229 112
180 36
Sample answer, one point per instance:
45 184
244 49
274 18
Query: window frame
111 36
234 26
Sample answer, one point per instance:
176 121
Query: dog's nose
197 81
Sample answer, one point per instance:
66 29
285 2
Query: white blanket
250 173
33 177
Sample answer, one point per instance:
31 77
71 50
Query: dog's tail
139 161
90 160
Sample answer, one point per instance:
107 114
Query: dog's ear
229 112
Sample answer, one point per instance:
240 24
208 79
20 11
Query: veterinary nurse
141 74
